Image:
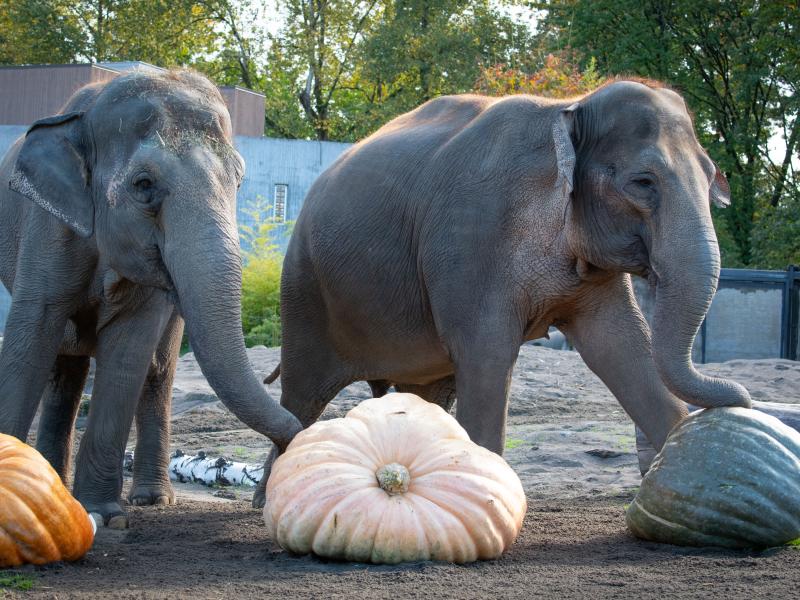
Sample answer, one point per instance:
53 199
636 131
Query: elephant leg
44 294
150 477
613 338
125 348
379 387
260 493
306 398
483 384
441 392
60 403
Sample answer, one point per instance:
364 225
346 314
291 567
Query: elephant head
640 189
144 168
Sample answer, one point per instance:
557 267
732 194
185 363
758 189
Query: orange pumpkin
397 479
40 521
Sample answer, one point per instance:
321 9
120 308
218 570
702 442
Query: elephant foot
151 494
108 514
260 497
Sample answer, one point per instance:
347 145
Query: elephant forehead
169 116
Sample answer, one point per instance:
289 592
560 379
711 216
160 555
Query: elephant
119 223
431 250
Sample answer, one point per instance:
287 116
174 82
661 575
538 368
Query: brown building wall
35 92
247 110
31 93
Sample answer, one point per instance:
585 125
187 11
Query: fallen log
788 413
207 471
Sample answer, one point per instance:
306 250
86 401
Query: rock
604 453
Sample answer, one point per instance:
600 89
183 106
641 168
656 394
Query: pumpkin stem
393 478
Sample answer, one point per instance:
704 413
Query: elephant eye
642 188
644 181
142 182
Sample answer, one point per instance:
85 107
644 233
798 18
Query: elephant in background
119 222
430 251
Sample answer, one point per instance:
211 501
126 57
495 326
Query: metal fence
754 315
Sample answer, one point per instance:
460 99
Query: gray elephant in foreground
119 221
429 252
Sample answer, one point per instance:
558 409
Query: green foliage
261 279
163 32
558 77
512 443
16 581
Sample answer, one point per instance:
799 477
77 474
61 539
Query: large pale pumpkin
40 521
725 477
397 479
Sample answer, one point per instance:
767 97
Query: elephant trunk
684 292
206 270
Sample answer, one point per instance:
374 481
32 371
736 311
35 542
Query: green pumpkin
725 477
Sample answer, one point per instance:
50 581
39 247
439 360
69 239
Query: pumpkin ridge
334 430
339 429
488 487
471 512
328 489
673 527
753 443
695 515
35 546
770 425
479 461
7 547
492 487
370 536
52 516
433 514
389 535
319 541
330 460
308 486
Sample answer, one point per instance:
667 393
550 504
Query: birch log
788 413
207 471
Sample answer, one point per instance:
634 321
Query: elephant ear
565 152
52 170
720 190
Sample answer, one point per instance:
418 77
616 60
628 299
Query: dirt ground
570 443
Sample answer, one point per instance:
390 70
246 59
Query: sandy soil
569 441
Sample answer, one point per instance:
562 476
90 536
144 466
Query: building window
281 199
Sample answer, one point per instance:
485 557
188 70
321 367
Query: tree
421 49
38 31
318 39
736 63
162 32
558 77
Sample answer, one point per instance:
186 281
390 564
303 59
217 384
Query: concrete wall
294 163
8 135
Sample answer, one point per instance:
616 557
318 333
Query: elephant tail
274 375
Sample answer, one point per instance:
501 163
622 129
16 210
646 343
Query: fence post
789 316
